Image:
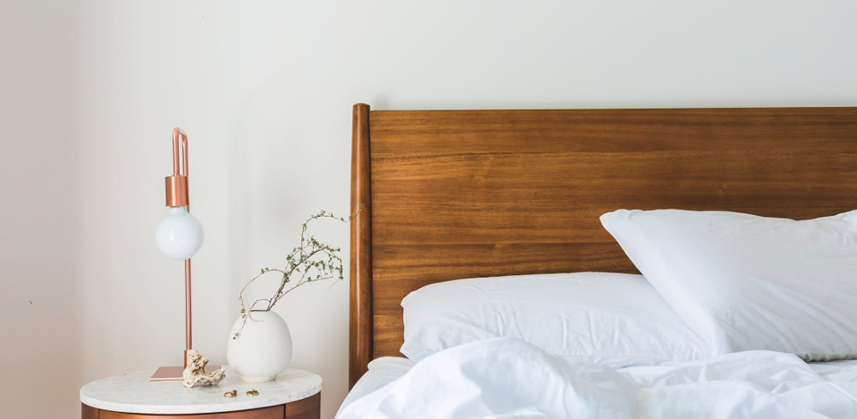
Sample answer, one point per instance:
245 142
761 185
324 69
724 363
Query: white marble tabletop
134 393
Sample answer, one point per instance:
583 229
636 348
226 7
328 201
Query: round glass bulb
179 235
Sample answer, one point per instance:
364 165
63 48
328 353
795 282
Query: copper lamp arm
178 133
176 185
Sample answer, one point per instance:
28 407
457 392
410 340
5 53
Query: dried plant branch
312 261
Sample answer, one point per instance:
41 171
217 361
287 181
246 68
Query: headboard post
360 309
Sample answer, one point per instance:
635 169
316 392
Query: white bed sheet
386 370
382 371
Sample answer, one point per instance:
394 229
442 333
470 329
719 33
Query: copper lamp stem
180 137
187 310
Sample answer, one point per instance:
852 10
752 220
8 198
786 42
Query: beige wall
89 91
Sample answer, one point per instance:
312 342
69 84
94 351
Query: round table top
134 393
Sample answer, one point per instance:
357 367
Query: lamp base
175 373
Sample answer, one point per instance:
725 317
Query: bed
446 195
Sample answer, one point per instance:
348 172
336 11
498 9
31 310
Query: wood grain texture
87 412
308 408
360 324
458 194
273 412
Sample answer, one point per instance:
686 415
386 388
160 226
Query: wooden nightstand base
309 408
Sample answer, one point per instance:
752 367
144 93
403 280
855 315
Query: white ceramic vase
262 350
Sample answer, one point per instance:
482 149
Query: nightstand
295 394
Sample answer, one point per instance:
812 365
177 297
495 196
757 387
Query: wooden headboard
460 194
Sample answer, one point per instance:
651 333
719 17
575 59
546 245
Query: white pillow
616 319
745 282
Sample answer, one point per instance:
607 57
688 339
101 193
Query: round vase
262 349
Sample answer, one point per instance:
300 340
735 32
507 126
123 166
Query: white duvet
509 378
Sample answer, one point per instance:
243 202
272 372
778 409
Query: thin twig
304 256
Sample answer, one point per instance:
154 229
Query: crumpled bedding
509 378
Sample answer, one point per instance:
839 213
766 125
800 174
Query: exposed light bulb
179 235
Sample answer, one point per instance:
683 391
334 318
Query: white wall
90 90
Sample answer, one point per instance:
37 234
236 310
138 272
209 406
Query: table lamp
179 236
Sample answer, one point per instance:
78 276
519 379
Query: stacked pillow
715 282
745 282
615 319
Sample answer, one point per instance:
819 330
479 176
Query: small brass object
230 394
252 393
